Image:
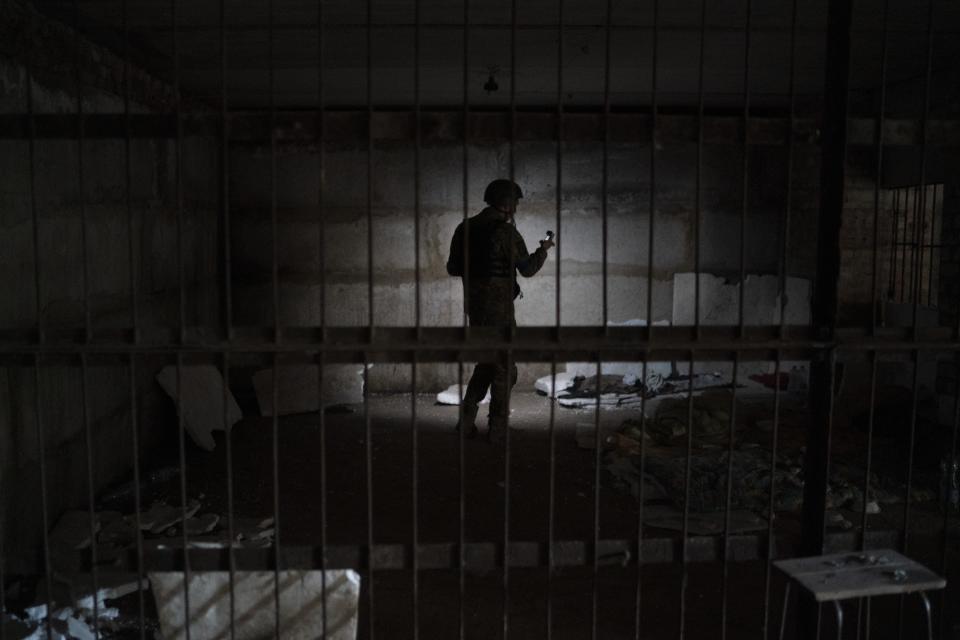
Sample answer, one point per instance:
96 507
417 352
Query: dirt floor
719 600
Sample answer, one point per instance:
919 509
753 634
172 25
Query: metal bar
832 178
894 250
417 319
228 446
728 508
321 183
368 469
874 291
137 498
638 599
274 246
415 489
225 179
932 251
552 499
604 178
462 509
698 203
868 469
44 506
91 485
34 212
745 169
771 505
944 544
466 179
915 230
488 555
908 490
275 450
323 490
597 447
559 161
687 474
653 164
182 460
927 82
81 182
128 173
369 192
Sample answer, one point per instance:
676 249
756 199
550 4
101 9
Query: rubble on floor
452 396
198 391
583 391
665 476
305 598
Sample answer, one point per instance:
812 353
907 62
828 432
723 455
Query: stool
842 576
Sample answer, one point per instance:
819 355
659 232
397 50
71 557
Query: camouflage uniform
495 246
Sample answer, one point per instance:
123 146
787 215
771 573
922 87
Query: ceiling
280 60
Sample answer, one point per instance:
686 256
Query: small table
842 576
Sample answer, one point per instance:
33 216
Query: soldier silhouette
496 254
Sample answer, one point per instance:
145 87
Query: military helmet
501 190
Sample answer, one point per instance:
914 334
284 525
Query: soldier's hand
547 244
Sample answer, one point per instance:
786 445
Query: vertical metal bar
225 177
605 168
275 450
927 82
945 539
597 447
272 111
462 508
875 284
228 446
698 202
181 449
178 173
914 244
466 171
552 494
227 304
369 192
321 182
415 490
894 248
559 161
771 505
44 506
638 594
81 182
653 164
368 469
745 170
181 305
728 507
91 485
868 469
416 166
417 319
933 246
34 212
323 489
908 491
128 176
832 176
782 267
137 499
510 333
506 509
685 527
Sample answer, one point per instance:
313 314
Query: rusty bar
368 469
44 506
552 499
875 286
228 445
461 511
597 448
225 177
559 161
745 169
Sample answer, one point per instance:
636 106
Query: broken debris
199 400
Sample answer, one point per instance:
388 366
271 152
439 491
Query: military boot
468 420
497 432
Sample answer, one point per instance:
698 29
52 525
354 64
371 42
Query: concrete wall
580 228
50 185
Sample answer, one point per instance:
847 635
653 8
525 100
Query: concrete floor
741 611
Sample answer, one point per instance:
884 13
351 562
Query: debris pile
580 390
